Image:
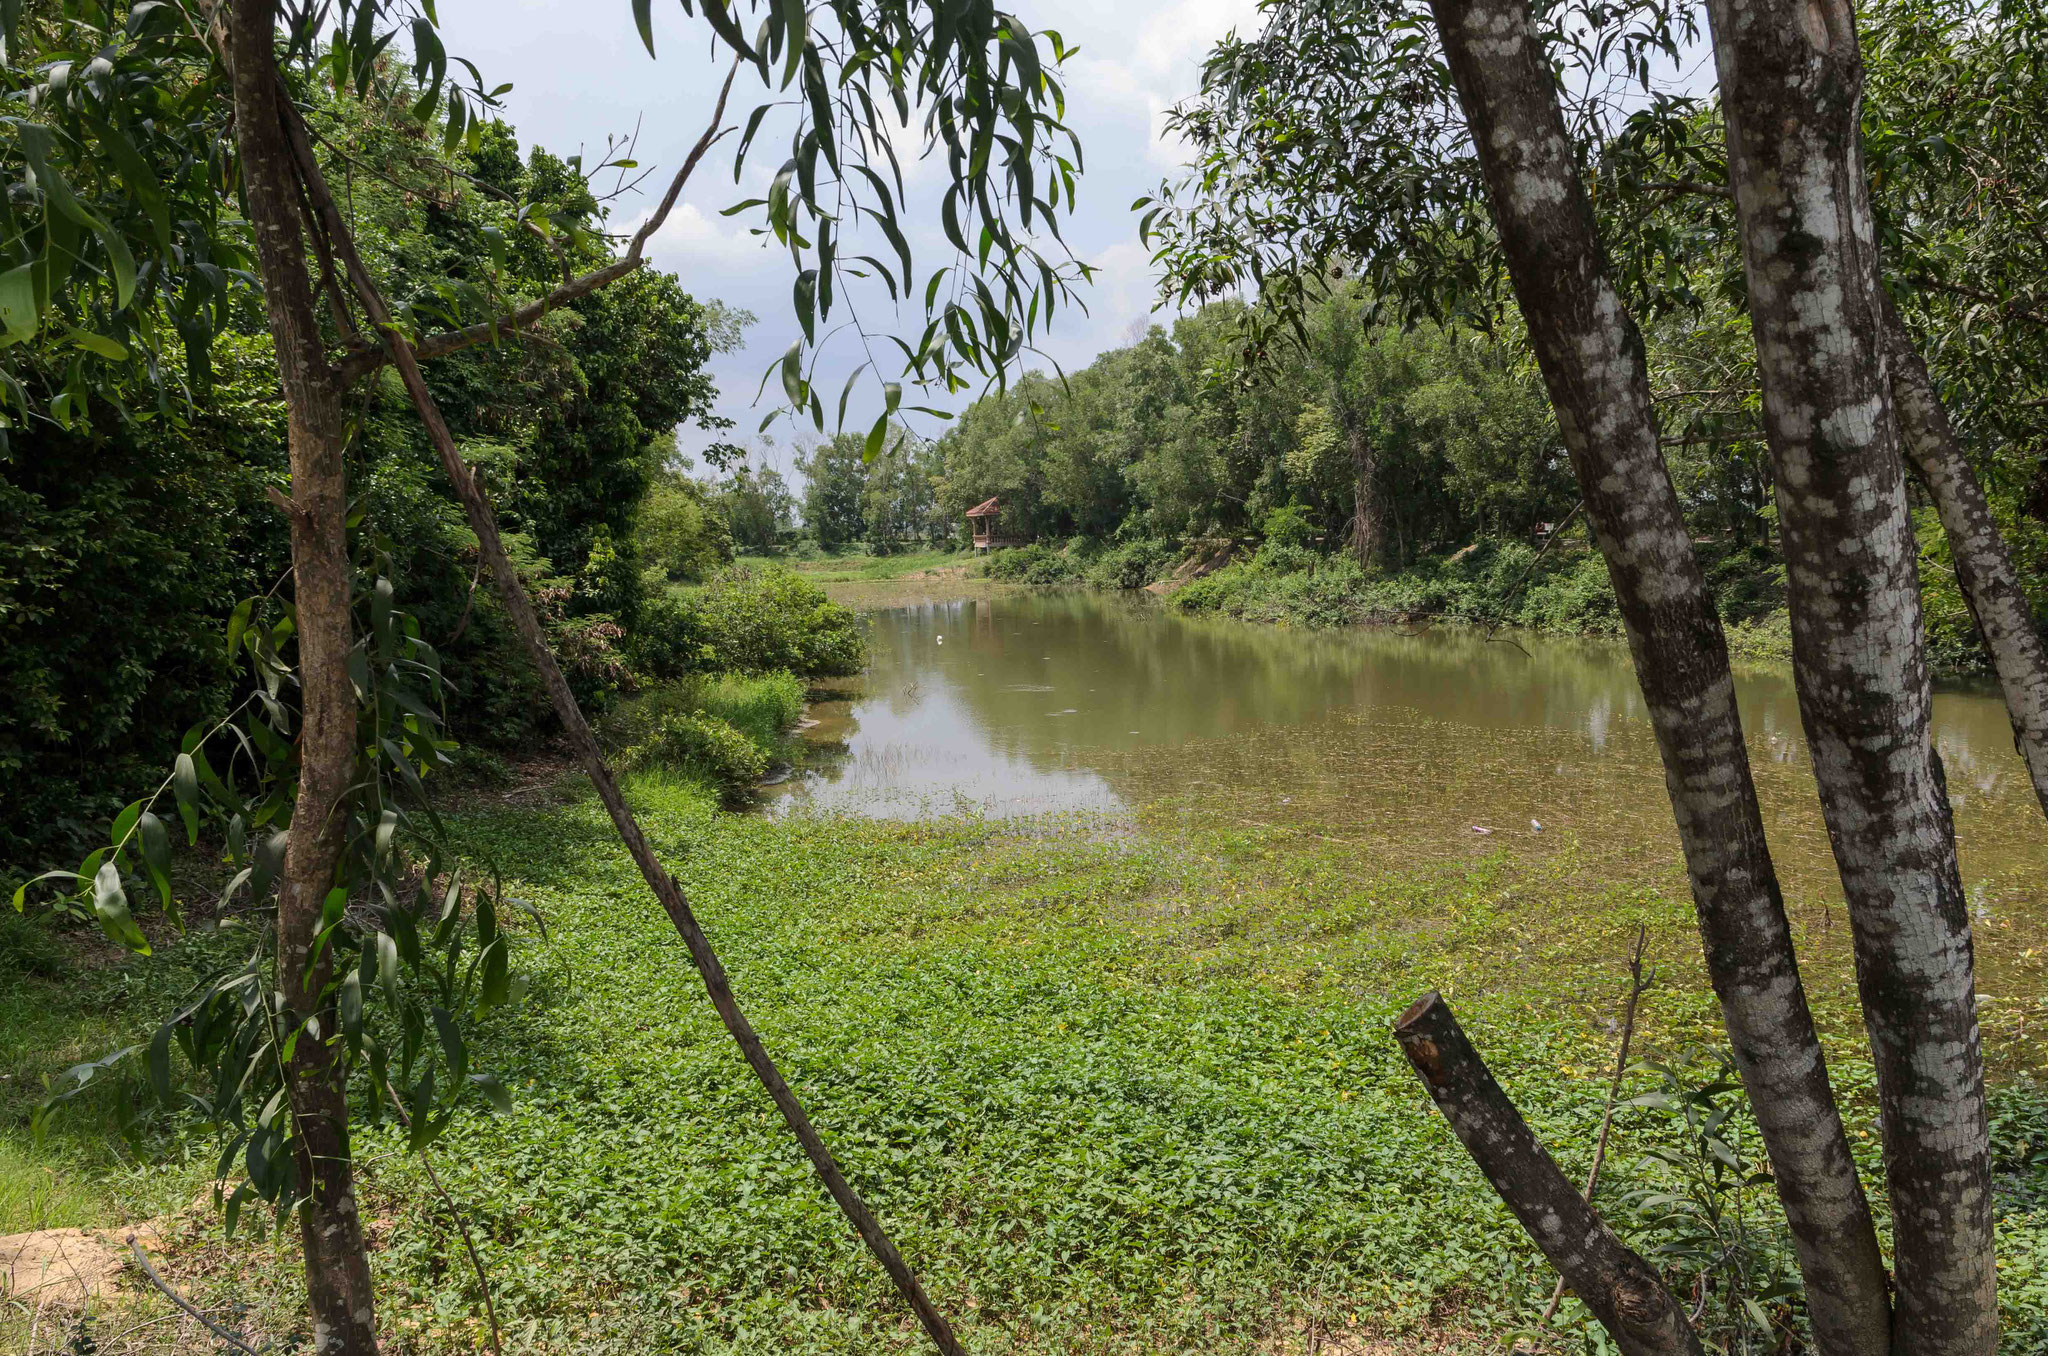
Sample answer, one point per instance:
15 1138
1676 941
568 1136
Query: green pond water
1018 702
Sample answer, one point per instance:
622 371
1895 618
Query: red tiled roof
984 508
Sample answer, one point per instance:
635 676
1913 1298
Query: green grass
856 567
1115 1087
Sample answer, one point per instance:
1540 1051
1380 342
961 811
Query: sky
579 73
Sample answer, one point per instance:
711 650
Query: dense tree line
1397 443
1404 414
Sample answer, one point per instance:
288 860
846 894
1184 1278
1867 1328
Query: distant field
856 568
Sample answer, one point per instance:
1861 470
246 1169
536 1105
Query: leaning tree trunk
1984 565
1791 93
512 593
330 1225
1591 356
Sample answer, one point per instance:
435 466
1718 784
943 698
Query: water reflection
1022 703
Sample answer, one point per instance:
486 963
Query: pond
1431 743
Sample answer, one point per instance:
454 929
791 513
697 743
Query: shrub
748 621
1034 564
728 729
679 532
1289 526
1278 556
704 745
1134 564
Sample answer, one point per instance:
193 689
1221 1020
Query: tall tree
1334 127
1791 97
1592 360
835 485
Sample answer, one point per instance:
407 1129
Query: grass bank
1117 1087
860 567
1285 581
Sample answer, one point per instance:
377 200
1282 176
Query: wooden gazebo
986 520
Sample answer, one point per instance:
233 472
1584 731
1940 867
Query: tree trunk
1591 356
1367 531
1791 91
330 1225
512 592
1983 563
1621 1289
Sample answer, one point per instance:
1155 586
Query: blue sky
579 73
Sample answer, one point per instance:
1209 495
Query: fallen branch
512 592
1623 1291
232 1339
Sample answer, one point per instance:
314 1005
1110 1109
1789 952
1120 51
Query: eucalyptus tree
1442 152
168 110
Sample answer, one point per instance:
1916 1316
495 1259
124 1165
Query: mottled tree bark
1623 1291
330 1225
1791 91
1983 563
1368 532
1591 356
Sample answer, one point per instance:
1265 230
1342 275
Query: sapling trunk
1984 568
330 1224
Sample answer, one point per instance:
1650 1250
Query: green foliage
1708 1217
119 552
1332 154
1133 564
1036 564
1161 439
757 508
679 532
1288 526
117 263
748 620
728 730
1491 584
835 486
763 708
124 539
393 925
703 745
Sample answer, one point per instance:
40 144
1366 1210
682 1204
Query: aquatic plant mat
1118 1085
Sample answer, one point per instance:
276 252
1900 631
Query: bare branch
361 361
1638 985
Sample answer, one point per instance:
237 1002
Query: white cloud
691 242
